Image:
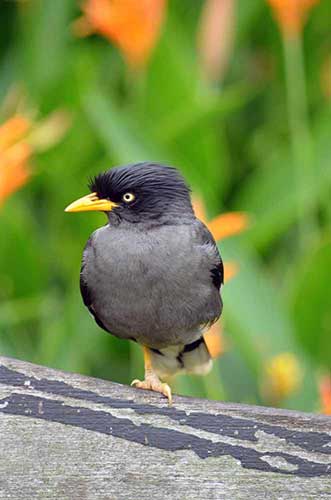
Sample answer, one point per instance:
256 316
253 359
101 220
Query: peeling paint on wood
251 450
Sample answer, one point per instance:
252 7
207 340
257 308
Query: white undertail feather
191 358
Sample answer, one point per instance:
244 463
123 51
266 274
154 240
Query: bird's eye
128 197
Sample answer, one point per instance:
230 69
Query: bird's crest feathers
148 177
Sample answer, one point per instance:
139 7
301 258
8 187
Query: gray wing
86 292
205 238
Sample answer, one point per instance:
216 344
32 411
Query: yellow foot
154 384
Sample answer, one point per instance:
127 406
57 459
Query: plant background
255 138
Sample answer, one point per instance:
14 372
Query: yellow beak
91 202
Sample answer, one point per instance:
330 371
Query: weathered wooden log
72 437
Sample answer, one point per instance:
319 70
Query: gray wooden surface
66 436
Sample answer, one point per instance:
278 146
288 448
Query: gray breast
153 286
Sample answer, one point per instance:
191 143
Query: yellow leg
152 381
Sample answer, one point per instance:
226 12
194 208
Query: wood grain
67 436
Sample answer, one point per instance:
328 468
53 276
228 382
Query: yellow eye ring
128 197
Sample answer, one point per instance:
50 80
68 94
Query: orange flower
13 130
134 26
14 170
291 14
221 227
325 394
18 139
228 224
14 156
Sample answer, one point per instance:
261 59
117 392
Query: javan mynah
153 273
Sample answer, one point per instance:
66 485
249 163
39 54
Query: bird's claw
154 385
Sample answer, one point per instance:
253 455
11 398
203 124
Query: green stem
301 140
136 362
213 385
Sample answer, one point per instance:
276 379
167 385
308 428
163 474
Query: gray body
152 284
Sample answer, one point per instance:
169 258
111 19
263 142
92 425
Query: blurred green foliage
233 141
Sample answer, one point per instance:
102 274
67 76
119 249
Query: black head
144 191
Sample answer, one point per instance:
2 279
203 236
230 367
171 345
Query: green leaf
311 303
272 194
259 324
123 139
44 42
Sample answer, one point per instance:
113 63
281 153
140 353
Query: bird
153 274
